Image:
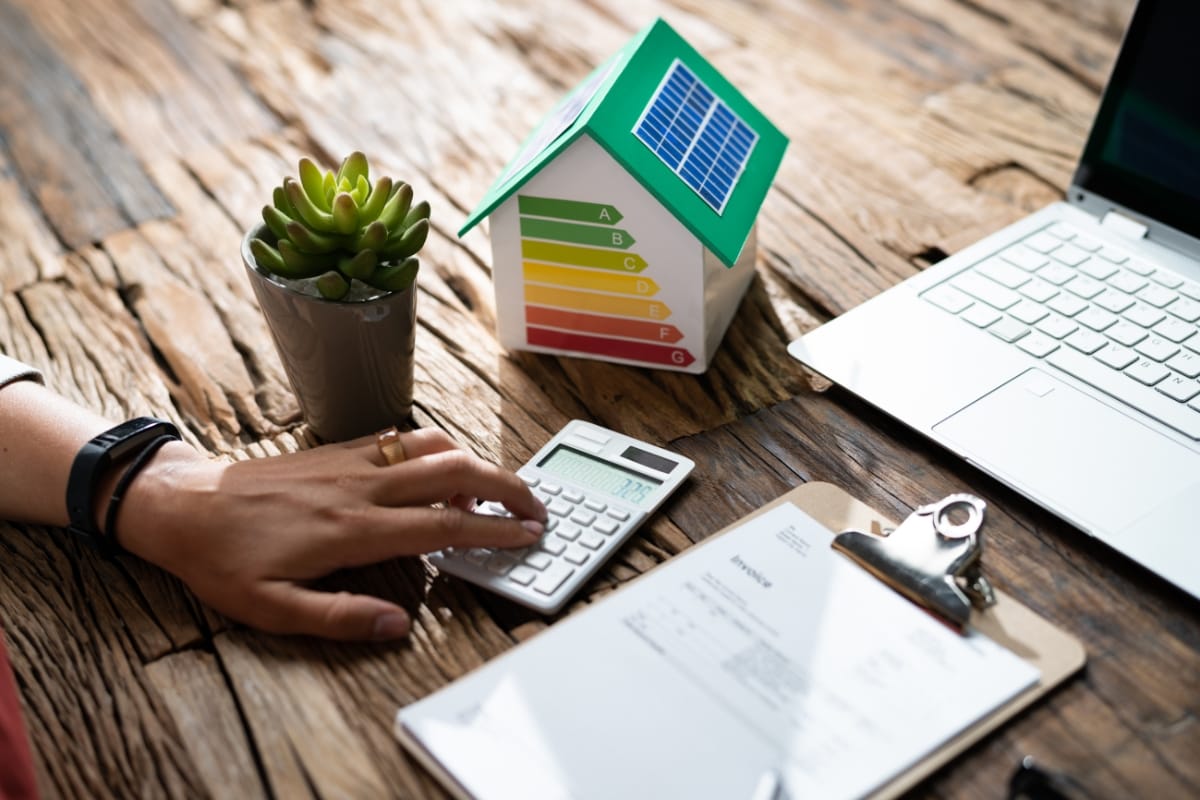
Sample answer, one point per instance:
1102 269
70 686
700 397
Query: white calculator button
584 518
478 555
577 555
538 560
590 434
591 540
530 482
559 508
551 488
617 513
594 505
500 564
496 508
553 545
568 532
572 496
606 526
522 575
552 523
549 581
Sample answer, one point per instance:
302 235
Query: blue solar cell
696 135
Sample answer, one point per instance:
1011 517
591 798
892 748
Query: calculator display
598 474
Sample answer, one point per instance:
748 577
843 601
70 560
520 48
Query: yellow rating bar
616 260
596 303
590 279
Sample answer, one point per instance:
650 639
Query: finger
449 474
418 443
382 533
286 607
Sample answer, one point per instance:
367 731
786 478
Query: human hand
246 537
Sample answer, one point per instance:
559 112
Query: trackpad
1071 452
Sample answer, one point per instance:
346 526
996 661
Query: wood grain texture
138 141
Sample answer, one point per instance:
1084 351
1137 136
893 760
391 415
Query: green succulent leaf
276 221
373 237
352 167
279 197
396 207
329 188
360 266
395 277
267 257
332 285
303 265
418 212
315 217
368 212
313 183
361 190
409 242
307 240
345 213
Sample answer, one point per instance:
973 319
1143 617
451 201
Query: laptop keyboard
1115 322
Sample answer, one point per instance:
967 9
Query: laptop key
1028 312
1174 330
1113 254
1004 273
1157 348
1116 356
1038 290
980 315
1186 363
1167 279
1156 296
1096 318
1086 341
1179 388
987 290
1043 242
949 298
1067 304
1099 269
1146 371
1024 258
1113 300
1008 329
1127 282
1126 333
1037 344
1057 326
1144 315
1186 309
1070 255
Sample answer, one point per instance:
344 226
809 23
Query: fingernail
391 625
533 526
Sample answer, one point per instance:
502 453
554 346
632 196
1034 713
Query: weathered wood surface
137 141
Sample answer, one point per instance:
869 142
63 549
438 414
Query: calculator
598 487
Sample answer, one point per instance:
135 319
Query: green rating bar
596 213
575 233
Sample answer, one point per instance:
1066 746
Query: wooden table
138 140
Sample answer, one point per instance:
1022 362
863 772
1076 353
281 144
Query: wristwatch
137 436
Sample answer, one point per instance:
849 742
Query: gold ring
390 446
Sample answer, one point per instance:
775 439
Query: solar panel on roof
696 135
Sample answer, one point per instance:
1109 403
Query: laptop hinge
1123 225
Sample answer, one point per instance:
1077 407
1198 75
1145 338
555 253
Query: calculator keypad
580 532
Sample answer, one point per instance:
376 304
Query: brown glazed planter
349 363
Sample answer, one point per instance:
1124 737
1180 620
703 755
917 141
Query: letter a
604 217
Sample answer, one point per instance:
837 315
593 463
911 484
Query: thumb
336 615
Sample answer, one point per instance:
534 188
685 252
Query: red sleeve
16 760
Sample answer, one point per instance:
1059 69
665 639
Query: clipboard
1053 653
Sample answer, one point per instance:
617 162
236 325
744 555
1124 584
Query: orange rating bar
613 348
617 305
600 280
594 323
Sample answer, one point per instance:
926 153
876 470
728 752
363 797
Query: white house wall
645 306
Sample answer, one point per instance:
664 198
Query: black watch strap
95 458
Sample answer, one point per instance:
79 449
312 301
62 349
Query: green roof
627 83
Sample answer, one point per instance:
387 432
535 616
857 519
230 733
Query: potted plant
334 268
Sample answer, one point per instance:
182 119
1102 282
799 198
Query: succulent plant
338 227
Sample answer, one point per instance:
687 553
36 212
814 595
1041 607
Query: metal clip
930 559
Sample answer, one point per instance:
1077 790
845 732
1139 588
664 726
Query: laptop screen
1144 148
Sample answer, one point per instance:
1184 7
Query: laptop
1062 354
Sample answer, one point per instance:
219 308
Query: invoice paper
761 650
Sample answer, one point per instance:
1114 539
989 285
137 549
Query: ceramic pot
349 363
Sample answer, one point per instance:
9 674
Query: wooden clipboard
1055 654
